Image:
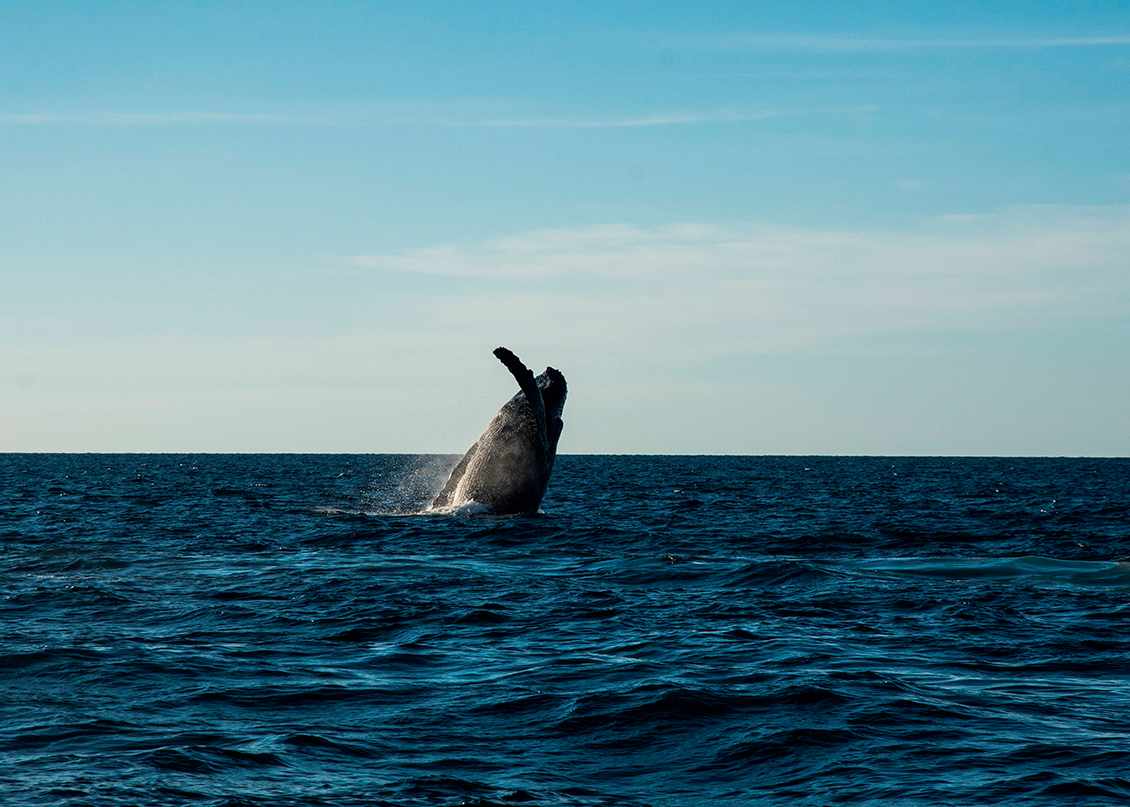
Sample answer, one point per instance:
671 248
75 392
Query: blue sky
835 228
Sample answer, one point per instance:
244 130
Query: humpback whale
508 468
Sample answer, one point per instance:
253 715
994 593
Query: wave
1030 569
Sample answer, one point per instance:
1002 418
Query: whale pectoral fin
525 378
523 375
445 496
555 431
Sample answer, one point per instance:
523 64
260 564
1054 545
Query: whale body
508 468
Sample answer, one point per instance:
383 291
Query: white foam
463 509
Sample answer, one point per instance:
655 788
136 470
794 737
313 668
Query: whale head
553 391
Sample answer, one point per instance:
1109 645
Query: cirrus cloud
755 286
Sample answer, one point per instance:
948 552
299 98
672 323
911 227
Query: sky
736 228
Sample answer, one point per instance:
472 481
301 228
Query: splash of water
409 489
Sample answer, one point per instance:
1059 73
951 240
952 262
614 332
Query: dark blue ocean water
284 630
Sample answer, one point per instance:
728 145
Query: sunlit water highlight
293 630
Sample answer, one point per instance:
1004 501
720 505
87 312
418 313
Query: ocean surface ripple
246 630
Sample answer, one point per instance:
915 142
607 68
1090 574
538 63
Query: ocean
254 630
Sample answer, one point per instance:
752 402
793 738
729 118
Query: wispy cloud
690 288
461 114
727 115
147 118
863 44
666 119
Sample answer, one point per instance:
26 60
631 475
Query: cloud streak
417 115
848 44
695 288
728 115
146 118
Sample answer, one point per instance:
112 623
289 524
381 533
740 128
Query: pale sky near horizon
802 228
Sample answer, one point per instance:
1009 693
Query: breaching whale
508 468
